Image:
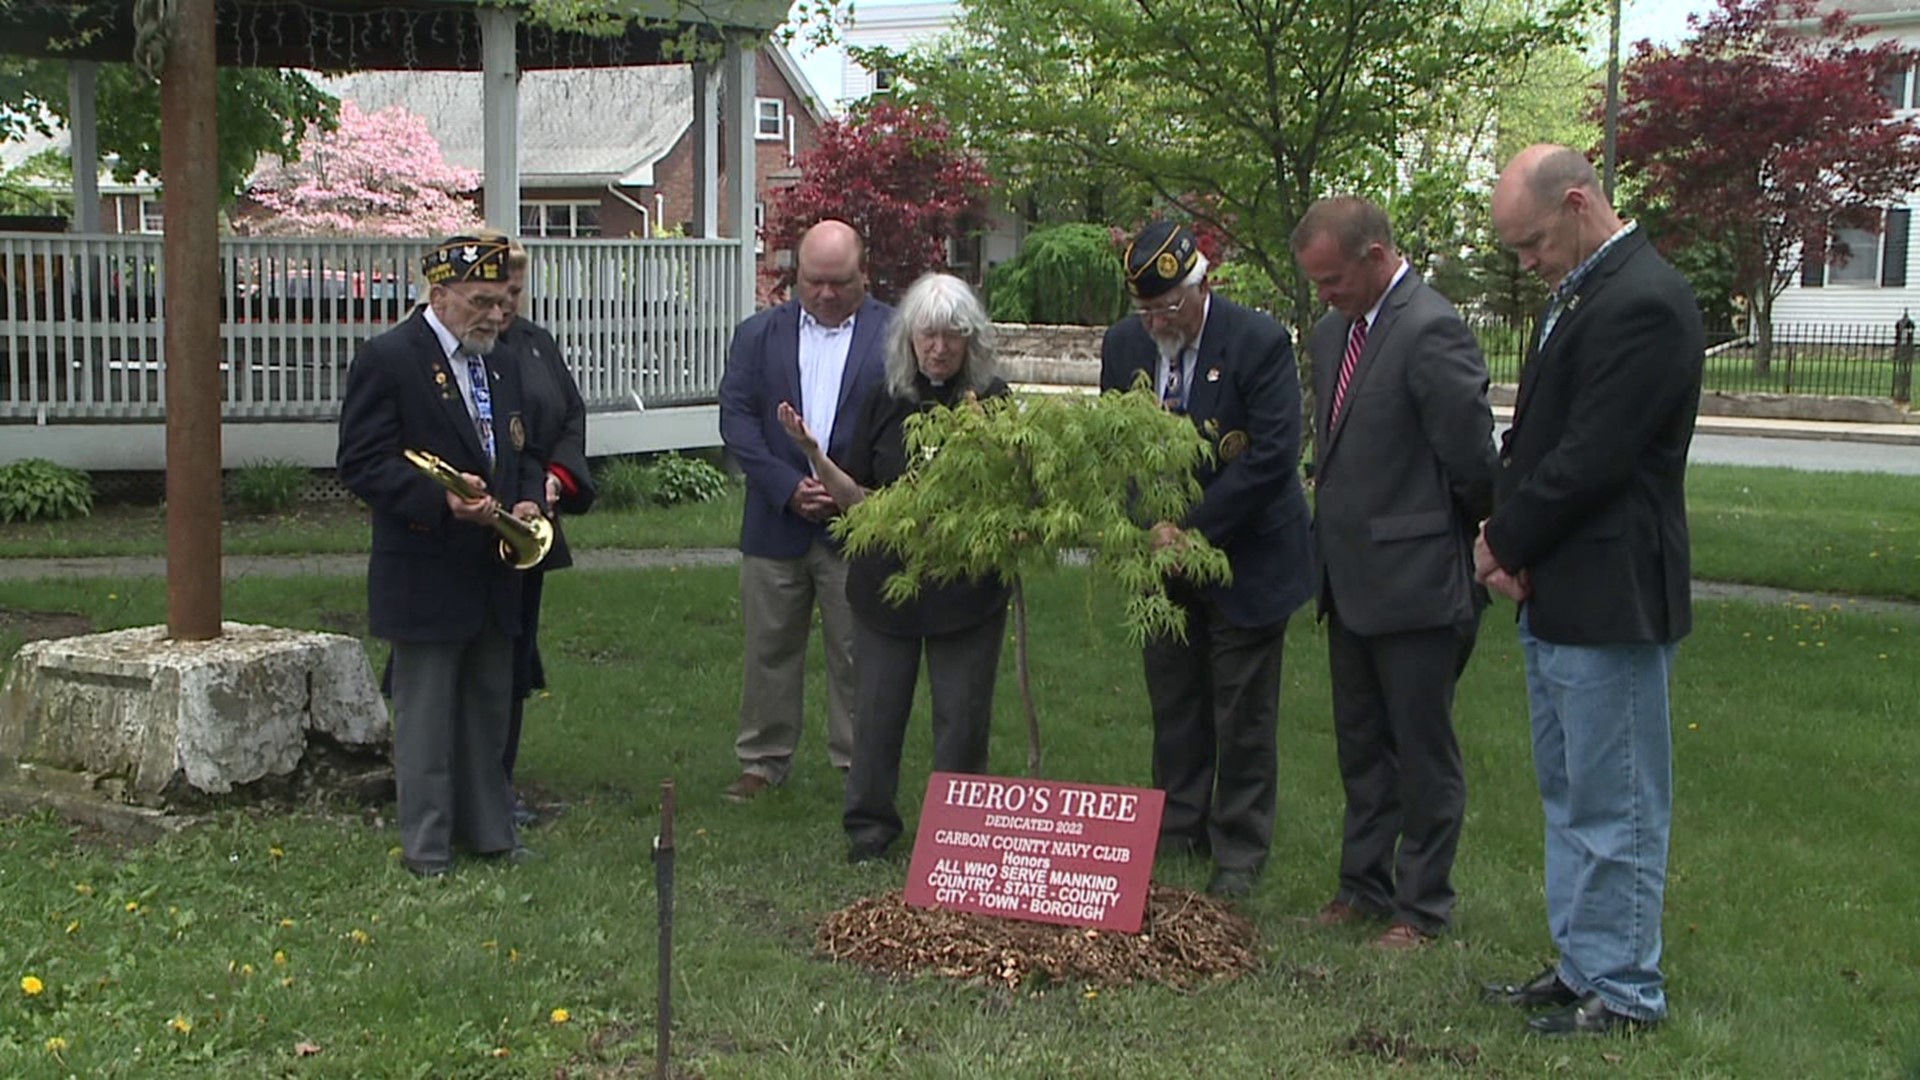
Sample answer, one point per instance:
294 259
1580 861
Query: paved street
1815 455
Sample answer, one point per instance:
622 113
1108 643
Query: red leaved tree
376 174
1763 136
893 173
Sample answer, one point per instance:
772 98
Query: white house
1880 281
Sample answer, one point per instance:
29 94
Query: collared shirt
449 347
1373 313
1563 293
823 361
1189 355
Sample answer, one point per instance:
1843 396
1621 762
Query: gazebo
191 351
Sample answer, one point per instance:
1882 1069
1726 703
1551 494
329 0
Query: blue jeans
1603 755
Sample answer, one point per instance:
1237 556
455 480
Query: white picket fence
82 325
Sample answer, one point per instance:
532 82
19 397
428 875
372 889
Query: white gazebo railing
81 323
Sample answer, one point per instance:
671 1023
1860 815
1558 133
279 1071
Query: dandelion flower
276 852
31 985
83 888
501 1051
559 1016
181 1024
73 927
133 906
279 958
56 1044
359 936
287 924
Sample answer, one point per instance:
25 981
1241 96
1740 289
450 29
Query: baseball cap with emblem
459 259
1159 259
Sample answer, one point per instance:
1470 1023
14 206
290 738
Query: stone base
133 717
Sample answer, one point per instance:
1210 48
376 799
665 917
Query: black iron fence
1850 360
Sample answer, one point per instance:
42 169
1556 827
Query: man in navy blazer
1589 535
437 587
1216 695
821 354
1403 475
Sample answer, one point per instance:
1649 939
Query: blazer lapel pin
1213 374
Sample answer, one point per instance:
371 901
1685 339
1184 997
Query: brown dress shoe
747 788
1337 913
1401 937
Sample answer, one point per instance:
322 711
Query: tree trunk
1762 334
1026 676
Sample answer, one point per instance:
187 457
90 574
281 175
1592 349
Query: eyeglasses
1164 311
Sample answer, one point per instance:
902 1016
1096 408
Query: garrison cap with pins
459 259
1160 258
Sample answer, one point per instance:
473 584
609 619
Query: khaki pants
777 598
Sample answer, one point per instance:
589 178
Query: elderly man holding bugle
438 587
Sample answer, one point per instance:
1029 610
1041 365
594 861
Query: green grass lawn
1854 533
340 527
223 951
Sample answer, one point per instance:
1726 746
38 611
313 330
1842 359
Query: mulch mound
1185 939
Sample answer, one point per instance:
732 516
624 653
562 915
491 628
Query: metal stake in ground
663 884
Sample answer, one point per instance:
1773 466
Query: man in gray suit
1403 459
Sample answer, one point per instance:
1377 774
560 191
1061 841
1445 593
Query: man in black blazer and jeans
1216 695
1589 535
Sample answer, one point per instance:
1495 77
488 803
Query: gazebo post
83 77
192 311
738 76
706 151
500 110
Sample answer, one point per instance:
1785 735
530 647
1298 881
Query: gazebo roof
364 35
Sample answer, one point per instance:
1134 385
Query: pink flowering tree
376 174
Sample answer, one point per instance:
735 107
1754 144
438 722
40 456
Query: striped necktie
1356 344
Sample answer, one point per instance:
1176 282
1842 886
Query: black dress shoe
428 868
1231 884
1543 991
864 851
1588 1016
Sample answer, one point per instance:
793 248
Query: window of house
883 82
759 228
1862 266
552 218
1897 88
153 215
1874 257
769 118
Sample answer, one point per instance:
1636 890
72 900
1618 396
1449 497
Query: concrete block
131 715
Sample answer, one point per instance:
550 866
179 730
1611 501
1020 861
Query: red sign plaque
1045 850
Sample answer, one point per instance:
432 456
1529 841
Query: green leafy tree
1007 486
260 111
1069 274
1235 115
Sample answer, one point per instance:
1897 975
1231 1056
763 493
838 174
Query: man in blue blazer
1589 535
437 587
820 353
1216 695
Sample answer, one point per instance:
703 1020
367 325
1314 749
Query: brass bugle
523 543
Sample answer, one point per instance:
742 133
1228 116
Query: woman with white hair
939 351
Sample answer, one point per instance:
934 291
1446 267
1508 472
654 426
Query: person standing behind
940 352
1589 535
556 419
437 587
1215 696
1403 472
822 353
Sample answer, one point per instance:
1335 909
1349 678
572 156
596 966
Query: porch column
706 151
742 185
82 110
500 112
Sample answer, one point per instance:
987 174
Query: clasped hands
1488 571
810 498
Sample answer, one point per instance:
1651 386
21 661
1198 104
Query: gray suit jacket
1404 476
